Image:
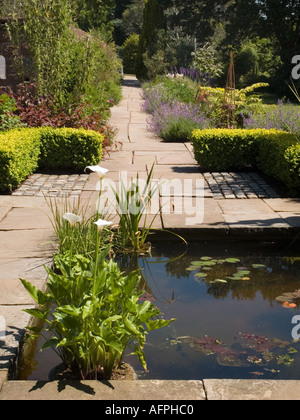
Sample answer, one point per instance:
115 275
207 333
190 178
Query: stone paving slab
151 390
123 390
234 389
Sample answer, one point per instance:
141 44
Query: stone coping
181 393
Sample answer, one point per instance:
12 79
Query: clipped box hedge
69 148
279 157
24 150
227 149
274 152
19 155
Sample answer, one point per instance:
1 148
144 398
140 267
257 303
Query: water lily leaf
206 258
243 272
221 281
201 275
259 266
232 260
191 268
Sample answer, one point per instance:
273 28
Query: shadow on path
131 83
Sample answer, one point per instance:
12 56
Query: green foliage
133 205
129 52
95 14
46 30
23 150
178 129
207 61
211 100
69 148
279 157
224 149
67 65
97 314
149 45
19 154
8 121
274 152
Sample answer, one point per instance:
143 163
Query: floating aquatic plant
248 349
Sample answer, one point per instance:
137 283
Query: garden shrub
23 150
274 152
19 154
279 157
176 121
8 120
69 148
226 149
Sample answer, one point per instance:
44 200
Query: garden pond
234 305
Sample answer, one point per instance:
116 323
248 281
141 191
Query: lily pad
232 260
201 275
191 268
259 266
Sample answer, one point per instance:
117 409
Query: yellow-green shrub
226 149
69 148
274 152
19 154
279 157
22 151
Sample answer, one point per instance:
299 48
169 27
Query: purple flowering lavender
175 121
281 117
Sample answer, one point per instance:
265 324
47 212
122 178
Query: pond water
234 305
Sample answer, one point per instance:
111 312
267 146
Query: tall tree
95 14
153 23
278 19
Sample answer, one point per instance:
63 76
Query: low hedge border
19 156
24 150
69 148
274 152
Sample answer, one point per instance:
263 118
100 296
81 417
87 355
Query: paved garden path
196 204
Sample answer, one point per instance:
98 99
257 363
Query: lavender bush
175 121
281 117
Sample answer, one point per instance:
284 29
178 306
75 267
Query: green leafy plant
19 155
133 205
8 120
93 313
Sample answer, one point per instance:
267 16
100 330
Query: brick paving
38 185
229 185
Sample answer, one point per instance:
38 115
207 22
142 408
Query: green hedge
274 152
24 150
279 157
19 155
224 149
69 148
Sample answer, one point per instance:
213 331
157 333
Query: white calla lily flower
98 169
102 224
72 218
